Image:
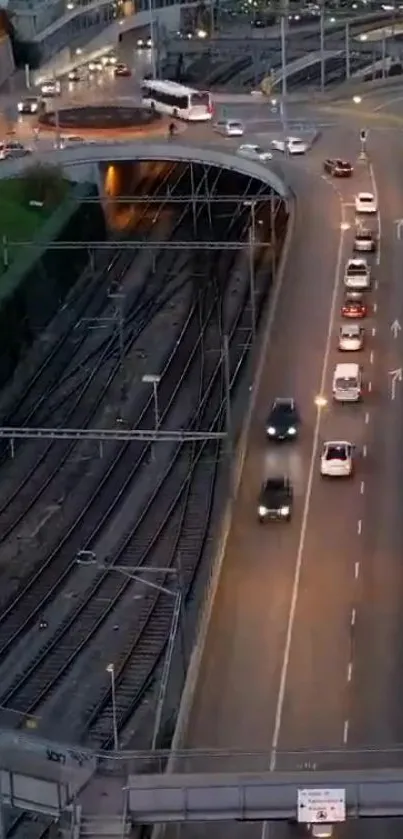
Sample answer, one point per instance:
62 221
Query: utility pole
252 242
119 298
384 53
228 413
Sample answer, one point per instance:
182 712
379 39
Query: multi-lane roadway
304 645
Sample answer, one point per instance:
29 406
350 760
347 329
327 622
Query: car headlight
271 430
284 511
292 431
262 511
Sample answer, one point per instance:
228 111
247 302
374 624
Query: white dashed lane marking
345 732
356 570
359 527
362 487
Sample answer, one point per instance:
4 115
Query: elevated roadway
303 648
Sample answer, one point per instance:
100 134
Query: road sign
317 806
363 135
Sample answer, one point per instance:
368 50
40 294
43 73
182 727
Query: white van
347 383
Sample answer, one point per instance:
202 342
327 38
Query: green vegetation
20 219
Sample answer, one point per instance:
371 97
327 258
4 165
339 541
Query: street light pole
111 670
283 56
152 38
322 47
347 49
151 379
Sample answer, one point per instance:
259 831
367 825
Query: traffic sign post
326 806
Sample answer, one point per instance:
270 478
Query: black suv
338 168
275 500
283 420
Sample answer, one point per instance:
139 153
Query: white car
255 152
336 459
12 148
293 145
351 337
109 60
52 88
30 105
73 141
75 75
357 275
229 127
365 202
95 66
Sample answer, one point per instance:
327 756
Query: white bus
177 100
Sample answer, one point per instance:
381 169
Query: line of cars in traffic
275 501
235 128
52 88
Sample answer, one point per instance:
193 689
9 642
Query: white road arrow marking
395 328
396 376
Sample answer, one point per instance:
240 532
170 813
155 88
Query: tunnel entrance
194 201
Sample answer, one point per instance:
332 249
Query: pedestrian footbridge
259 796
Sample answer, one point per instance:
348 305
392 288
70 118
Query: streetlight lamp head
320 401
357 100
363 37
345 225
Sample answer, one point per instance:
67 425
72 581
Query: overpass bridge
67 782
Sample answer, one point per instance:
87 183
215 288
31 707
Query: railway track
193 507
23 609
89 395
32 688
184 493
89 300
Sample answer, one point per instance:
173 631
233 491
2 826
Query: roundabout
103 120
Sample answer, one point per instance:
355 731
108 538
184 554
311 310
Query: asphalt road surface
304 647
